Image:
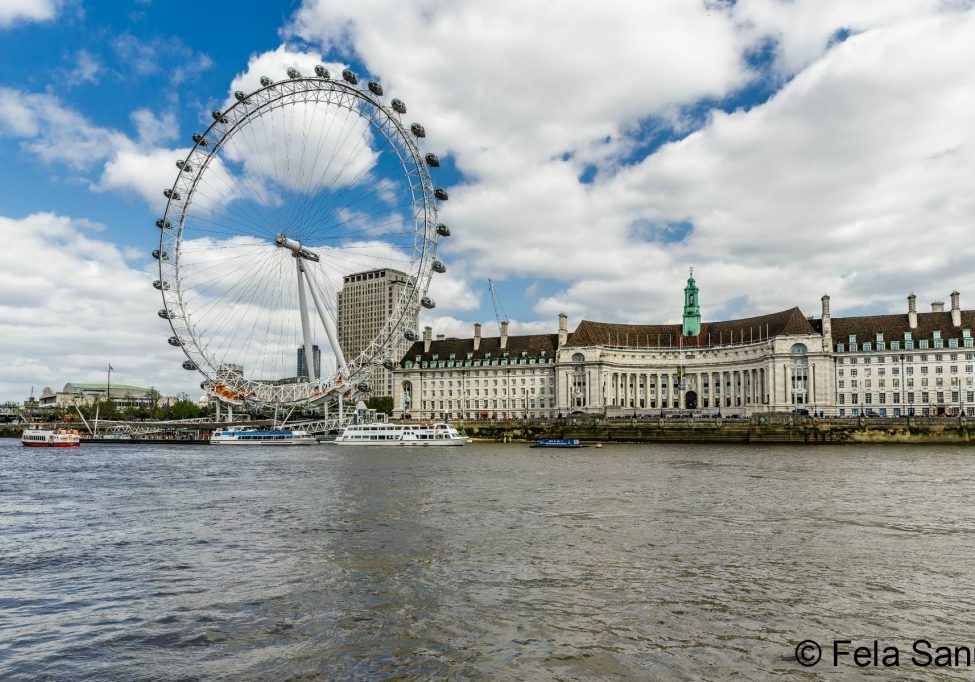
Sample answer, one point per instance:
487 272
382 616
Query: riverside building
883 365
365 302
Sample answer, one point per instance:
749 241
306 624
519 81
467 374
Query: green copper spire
692 311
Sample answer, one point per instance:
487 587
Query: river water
481 562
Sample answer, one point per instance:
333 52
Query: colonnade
738 388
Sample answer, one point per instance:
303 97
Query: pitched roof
893 327
532 345
784 322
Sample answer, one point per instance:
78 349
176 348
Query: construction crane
499 314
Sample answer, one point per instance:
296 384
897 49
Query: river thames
487 561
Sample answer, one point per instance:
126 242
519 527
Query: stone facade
888 365
365 303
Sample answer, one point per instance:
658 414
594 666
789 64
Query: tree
381 404
153 396
184 409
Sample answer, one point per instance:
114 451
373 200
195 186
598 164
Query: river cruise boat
258 437
401 434
36 437
558 443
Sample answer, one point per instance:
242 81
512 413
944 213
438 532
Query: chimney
563 329
912 311
441 337
427 338
827 325
477 336
955 309
937 306
504 334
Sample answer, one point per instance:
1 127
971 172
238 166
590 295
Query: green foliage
184 409
381 404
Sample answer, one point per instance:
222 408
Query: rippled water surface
488 561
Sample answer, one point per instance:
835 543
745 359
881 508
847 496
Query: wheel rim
310 175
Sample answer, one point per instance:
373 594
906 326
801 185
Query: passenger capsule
443 230
418 130
163 224
322 72
441 193
363 385
160 255
165 314
170 194
438 266
175 341
185 166
398 106
240 96
432 160
294 73
389 364
218 116
375 88
428 303
162 286
349 76
410 335
190 365
200 140
265 81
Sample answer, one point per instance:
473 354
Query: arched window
578 357
799 375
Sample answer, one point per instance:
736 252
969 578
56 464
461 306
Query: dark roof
790 321
894 326
532 344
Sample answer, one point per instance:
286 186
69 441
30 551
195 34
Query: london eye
291 188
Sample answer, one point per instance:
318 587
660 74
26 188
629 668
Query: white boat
401 434
36 437
257 437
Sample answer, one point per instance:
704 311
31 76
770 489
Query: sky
593 153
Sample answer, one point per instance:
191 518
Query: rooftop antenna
499 314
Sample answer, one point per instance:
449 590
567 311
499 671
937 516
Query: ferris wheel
292 189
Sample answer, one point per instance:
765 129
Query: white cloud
13 11
153 130
148 57
863 157
53 132
71 305
85 69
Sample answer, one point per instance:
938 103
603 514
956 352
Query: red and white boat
35 437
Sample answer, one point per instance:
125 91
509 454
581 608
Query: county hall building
885 365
